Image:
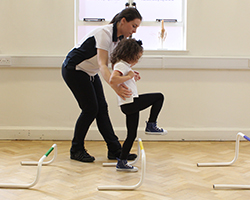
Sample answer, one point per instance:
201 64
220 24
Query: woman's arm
117 78
102 59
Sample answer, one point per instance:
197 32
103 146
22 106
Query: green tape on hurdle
49 151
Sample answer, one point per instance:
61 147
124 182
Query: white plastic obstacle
229 186
130 163
235 157
143 171
39 163
54 146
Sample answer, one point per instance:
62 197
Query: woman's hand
116 81
123 91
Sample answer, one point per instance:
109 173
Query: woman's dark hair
127 50
129 14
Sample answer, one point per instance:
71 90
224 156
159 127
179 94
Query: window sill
161 52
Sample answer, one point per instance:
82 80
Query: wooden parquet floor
171 172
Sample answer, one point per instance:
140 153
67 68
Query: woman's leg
84 92
103 120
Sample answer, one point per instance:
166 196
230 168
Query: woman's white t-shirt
124 68
103 39
84 55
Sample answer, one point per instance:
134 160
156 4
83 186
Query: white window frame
183 23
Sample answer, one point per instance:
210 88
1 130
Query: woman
80 72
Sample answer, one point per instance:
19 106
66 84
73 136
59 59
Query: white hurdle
143 171
28 185
112 164
54 146
229 186
235 157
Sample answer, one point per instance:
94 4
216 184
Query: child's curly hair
127 50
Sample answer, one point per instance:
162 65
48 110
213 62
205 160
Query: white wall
200 104
218 27
41 27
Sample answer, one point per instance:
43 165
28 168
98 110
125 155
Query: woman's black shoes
82 156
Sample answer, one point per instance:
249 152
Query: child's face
136 61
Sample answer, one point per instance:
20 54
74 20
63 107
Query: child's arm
117 78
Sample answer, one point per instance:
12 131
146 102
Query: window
90 14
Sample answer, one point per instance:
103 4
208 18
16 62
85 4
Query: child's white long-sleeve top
124 68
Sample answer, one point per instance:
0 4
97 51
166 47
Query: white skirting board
174 134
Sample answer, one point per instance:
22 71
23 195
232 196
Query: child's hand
131 74
137 76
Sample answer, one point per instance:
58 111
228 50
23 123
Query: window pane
149 31
160 9
84 30
100 8
150 36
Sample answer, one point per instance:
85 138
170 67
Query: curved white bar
225 163
231 187
228 186
39 163
25 186
130 187
44 163
241 134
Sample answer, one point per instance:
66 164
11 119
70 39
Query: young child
126 55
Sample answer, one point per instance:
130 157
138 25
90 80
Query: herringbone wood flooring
171 172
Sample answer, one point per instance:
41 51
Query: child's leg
132 116
151 125
132 125
155 100
144 101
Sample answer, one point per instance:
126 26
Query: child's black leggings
132 110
